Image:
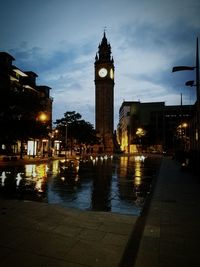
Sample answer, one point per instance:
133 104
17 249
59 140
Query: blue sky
58 39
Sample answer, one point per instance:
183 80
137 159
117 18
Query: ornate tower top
104 52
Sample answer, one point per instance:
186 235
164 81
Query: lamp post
182 135
66 141
192 83
44 118
140 132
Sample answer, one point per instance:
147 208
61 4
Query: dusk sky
58 39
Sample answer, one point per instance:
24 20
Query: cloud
59 39
147 51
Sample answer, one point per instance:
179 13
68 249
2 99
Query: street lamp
66 141
192 83
43 118
140 132
183 135
56 142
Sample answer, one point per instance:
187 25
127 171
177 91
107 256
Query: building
124 130
25 111
104 95
177 127
152 126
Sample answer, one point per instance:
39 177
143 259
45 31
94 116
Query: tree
72 127
84 132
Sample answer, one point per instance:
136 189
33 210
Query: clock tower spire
104 94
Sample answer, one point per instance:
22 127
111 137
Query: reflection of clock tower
104 94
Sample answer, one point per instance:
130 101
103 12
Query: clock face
103 72
111 74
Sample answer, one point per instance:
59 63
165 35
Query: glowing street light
184 125
42 117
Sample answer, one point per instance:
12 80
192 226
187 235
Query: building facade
25 110
177 127
104 95
153 127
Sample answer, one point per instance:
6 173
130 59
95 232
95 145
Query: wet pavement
39 234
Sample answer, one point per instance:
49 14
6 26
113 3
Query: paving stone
115 239
68 230
91 235
94 254
118 228
38 234
27 259
171 235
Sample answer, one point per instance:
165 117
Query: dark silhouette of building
104 95
177 127
25 109
153 126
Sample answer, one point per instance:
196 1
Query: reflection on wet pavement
117 184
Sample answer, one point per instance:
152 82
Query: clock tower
104 94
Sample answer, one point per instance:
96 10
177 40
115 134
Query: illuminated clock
103 72
111 74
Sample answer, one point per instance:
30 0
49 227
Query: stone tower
104 94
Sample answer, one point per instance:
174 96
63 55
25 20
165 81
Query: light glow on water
103 183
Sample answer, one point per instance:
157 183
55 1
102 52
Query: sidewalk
41 235
171 235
